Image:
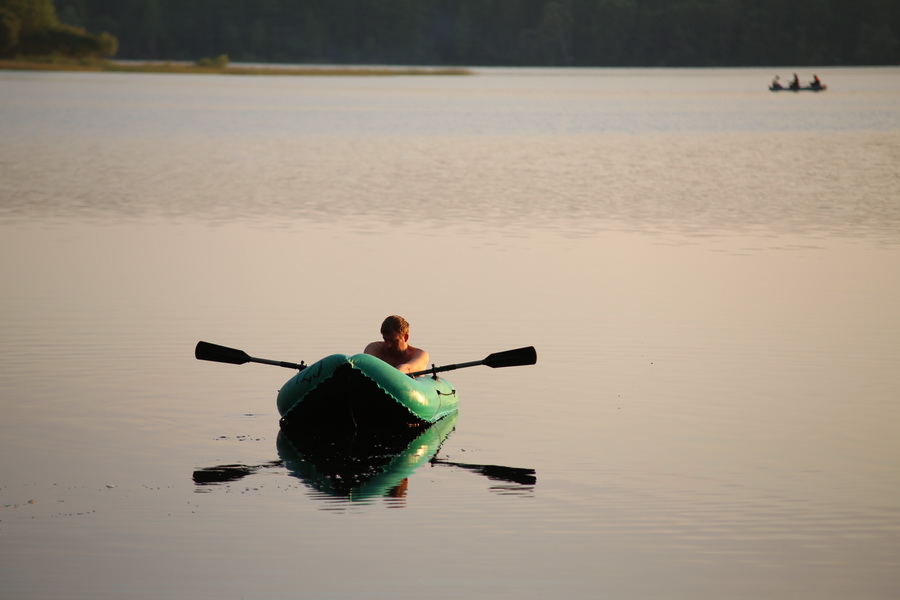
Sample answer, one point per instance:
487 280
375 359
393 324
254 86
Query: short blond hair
395 324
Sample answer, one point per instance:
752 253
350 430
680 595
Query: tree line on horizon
627 33
33 28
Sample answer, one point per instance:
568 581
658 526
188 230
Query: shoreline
193 69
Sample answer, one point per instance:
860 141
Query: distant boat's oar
510 358
232 356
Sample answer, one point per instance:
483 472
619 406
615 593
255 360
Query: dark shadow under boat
358 466
345 463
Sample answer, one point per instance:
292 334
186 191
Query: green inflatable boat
362 392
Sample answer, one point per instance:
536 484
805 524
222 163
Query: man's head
395 324
395 332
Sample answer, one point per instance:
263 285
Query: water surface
707 269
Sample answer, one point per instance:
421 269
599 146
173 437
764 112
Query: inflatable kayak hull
361 391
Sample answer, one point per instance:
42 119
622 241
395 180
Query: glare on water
707 269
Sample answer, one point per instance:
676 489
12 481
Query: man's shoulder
419 355
375 349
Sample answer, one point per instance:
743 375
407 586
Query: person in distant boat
816 82
776 83
395 349
795 84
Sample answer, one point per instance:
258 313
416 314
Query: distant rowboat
808 88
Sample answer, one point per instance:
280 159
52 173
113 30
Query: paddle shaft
474 363
278 363
233 356
510 358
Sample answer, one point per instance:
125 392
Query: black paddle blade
512 358
216 353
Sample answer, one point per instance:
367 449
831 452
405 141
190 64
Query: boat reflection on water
356 467
359 466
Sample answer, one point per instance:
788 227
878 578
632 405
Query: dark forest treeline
502 32
32 28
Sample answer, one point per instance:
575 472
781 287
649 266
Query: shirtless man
395 349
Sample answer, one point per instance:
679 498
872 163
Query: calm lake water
709 273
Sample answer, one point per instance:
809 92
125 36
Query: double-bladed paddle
233 356
511 358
